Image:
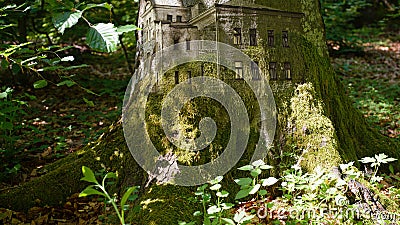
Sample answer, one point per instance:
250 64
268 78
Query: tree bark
317 122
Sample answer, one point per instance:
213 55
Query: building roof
242 3
179 3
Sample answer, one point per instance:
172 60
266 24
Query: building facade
269 36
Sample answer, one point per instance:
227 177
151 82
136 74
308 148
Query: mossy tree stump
316 121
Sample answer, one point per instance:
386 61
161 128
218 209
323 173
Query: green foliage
319 197
214 212
349 23
251 186
102 37
130 193
339 17
11 109
372 86
376 163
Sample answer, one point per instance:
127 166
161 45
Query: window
253 37
187 45
271 39
179 19
237 36
189 76
169 18
176 42
255 71
272 71
176 77
285 39
239 69
288 74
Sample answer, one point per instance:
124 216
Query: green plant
214 212
103 37
11 109
376 163
308 193
251 185
129 194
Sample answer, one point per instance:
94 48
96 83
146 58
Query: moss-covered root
165 205
50 189
62 178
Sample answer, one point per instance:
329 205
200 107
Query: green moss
166 204
311 131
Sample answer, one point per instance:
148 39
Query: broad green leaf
266 167
367 160
243 181
222 194
197 213
69 83
207 221
202 188
384 158
66 20
67 58
40 84
226 206
5 93
269 181
88 102
215 187
255 189
228 221
126 29
242 193
263 192
8 25
213 209
88 175
90 191
246 168
12 49
258 163
31 59
110 175
126 195
102 37
50 68
102 5
255 172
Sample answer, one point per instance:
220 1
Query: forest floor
56 121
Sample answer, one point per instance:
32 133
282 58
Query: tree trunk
316 121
